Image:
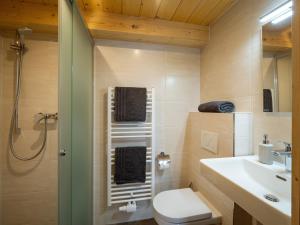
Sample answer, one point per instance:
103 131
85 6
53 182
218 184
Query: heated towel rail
123 134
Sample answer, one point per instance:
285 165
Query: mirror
277 66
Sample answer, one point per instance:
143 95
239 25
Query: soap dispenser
265 154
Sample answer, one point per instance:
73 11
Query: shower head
24 30
19 44
21 32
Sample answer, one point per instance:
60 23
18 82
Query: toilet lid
179 206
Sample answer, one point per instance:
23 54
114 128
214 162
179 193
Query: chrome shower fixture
19 47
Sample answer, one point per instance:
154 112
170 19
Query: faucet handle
288 146
39 117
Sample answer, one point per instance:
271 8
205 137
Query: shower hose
14 117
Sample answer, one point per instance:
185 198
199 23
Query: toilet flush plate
209 141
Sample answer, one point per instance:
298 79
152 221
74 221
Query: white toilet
184 207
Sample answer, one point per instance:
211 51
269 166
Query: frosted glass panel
76 118
82 123
65 116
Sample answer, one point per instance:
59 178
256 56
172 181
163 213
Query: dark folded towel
268 101
217 107
130 165
130 104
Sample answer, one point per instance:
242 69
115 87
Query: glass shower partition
82 122
76 118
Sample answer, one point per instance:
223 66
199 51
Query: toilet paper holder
163 161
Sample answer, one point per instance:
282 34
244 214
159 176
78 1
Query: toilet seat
180 206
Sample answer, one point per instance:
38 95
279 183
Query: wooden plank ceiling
175 22
201 12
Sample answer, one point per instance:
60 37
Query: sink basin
246 181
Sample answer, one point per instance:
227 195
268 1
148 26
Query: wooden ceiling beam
277 41
104 25
41 18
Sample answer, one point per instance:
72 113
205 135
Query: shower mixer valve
46 116
53 116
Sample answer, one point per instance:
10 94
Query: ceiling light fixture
283 17
278 12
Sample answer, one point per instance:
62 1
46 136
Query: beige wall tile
30 187
174 73
30 208
222 124
231 66
231 70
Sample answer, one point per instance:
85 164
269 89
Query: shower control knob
62 152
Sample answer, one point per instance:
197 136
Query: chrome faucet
287 154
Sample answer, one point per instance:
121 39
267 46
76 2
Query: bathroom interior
149 112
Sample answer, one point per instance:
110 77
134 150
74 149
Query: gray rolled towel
217 107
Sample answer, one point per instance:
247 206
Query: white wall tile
174 73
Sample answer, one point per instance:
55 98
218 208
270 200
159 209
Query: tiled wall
223 125
231 67
29 189
174 73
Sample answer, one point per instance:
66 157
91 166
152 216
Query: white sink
246 181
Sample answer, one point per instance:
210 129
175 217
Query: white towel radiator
122 134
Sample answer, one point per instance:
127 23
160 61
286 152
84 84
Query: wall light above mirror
279 14
277 59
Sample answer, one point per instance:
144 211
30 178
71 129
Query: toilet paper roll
163 165
163 161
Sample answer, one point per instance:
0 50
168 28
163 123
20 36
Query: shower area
45 116
29 103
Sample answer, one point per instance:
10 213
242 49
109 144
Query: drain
271 198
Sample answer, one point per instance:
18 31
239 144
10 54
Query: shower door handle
62 152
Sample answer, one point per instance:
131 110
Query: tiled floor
144 222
